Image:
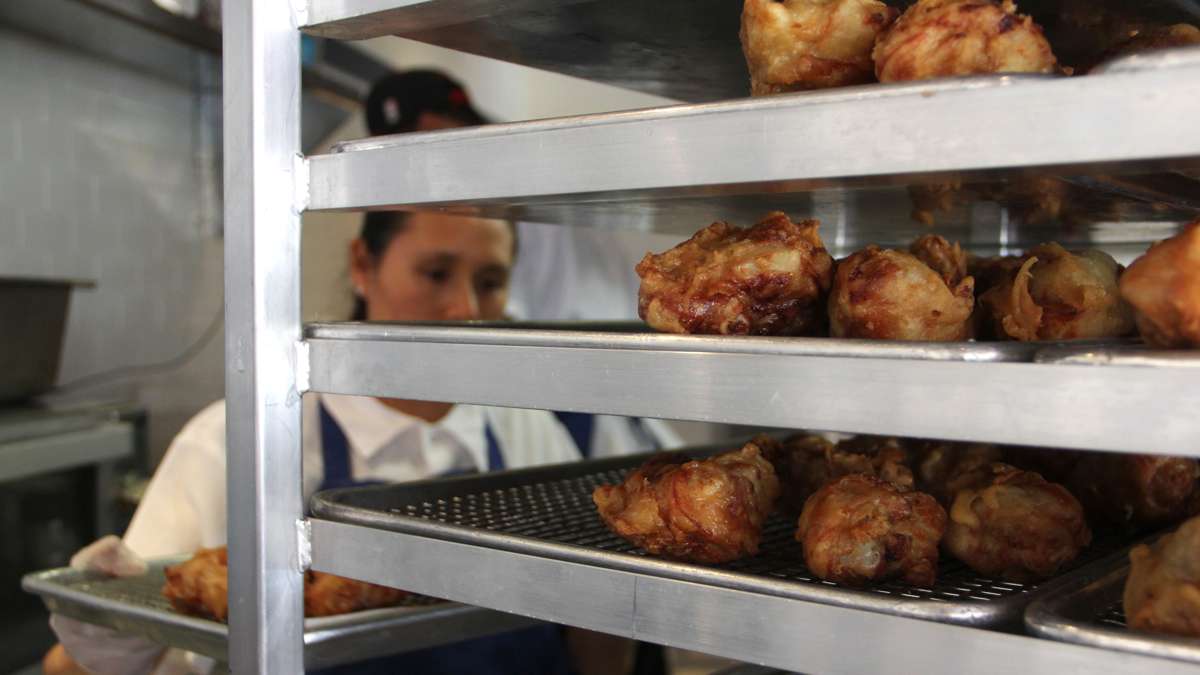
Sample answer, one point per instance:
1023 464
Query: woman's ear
362 263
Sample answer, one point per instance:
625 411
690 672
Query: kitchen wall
107 173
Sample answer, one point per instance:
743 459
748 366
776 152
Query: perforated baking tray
135 605
548 511
1087 609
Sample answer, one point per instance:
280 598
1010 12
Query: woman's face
438 267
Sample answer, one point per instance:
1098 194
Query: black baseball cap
397 100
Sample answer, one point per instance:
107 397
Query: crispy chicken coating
709 511
1162 594
1163 286
945 467
893 295
1135 490
200 586
859 529
1058 295
768 279
944 38
805 463
793 45
329 594
1016 525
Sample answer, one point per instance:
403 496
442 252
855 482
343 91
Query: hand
97 649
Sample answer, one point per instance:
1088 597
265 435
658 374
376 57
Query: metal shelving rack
566 170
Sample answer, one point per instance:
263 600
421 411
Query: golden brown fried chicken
1135 489
793 45
329 594
800 464
200 586
768 279
944 38
992 271
1058 295
859 529
1163 286
945 467
893 295
708 510
883 457
1162 594
1016 525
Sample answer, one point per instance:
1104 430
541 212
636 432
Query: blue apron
527 651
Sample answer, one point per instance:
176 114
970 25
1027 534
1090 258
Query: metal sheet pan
637 335
548 511
1130 353
1086 609
135 605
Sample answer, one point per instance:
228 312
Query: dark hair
396 101
378 230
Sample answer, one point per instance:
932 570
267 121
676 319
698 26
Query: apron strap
495 458
580 426
335 451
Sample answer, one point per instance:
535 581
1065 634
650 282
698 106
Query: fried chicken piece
1162 593
805 463
1054 464
945 38
929 199
1016 525
1154 38
1163 286
859 529
708 511
768 279
992 271
944 468
329 594
793 45
893 295
1058 295
1135 490
200 586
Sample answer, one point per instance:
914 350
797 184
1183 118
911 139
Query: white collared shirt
184 506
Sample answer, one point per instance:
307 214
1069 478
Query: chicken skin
200 586
1016 525
945 467
807 462
893 295
1162 594
945 38
793 45
1135 490
708 511
1163 286
768 279
859 529
329 594
1058 295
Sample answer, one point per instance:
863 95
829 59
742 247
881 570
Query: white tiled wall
106 174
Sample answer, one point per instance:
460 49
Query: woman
404 267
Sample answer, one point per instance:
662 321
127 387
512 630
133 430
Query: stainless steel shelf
725 154
772 631
682 49
970 391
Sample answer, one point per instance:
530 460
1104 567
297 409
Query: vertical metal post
261 95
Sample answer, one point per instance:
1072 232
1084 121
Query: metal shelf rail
787 143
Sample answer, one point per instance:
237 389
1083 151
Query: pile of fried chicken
797 45
776 278
200 587
873 509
